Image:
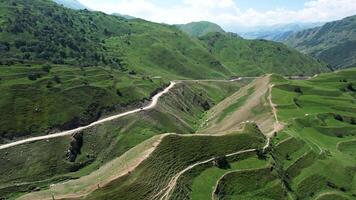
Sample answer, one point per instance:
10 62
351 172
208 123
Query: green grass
203 185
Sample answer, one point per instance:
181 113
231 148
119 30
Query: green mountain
124 16
198 29
255 57
52 53
44 32
73 4
277 32
334 43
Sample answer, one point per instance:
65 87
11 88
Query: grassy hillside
179 111
334 43
39 98
257 57
198 29
61 68
42 31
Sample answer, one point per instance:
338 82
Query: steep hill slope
334 43
256 57
198 29
277 32
42 31
46 161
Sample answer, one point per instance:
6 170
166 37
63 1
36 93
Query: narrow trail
277 126
165 193
153 103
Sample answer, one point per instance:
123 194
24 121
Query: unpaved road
70 132
152 104
166 192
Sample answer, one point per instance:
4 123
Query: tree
57 79
221 162
118 92
298 90
4 46
46 68
261 154
33 76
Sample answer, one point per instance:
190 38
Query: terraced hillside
311 155
54 160
311 151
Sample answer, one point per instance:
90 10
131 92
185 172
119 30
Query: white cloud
226 12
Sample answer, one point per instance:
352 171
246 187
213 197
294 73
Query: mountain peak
73 4
201 28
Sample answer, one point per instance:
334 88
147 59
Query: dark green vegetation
257 57
174 154
198 29
42 31
314 153
46 162
334 43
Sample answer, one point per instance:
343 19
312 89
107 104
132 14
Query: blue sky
230 14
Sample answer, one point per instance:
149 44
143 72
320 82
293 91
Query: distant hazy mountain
198 29
277 32
124 16
73 4
334 43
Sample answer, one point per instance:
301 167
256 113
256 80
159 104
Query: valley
100 106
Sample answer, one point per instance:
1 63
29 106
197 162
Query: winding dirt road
166 192
153 103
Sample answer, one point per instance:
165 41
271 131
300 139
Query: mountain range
334 42
277 32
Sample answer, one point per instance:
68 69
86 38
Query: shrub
33 76
298 90
46 68
57 79
221 162
118 92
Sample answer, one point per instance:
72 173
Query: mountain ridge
198 29
334 42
